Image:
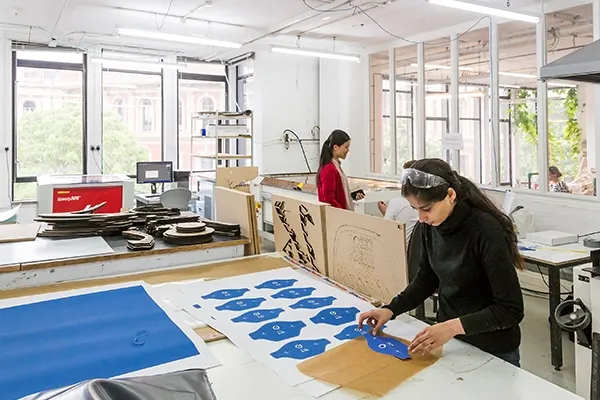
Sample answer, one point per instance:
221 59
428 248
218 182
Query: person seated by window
556 184
399 209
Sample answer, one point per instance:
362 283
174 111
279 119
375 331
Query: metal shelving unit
227 130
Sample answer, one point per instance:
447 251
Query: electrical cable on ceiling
359 8
301 147
166 15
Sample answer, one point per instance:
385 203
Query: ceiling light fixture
448 67
176 38
315 53
113 62
481 9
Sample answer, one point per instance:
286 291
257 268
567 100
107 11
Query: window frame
47 65
162 107
203 78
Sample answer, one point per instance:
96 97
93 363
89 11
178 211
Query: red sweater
330 187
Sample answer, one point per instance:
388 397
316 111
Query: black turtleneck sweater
467 257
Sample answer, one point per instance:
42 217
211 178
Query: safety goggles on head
421 180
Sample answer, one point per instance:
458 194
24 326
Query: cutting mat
18 232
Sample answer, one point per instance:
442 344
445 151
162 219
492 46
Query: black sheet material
191 384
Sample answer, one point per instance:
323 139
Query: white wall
344 102
286 97
561 212
5 123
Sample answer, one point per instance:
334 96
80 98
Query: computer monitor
154 172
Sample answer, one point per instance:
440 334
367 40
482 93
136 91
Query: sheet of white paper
9 216
264 320
453 141
509 199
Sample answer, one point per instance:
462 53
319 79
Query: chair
176 198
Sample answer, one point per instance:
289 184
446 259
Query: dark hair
467 192
408 164
337 138
555 171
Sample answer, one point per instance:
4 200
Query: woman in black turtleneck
469 251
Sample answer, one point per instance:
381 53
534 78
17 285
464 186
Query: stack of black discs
188 233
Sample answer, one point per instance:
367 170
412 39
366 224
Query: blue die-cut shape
197 306
335 316
350 332
225 294
258 315
293 293
241 305
388 345
278 331
277 284
312 303
301 349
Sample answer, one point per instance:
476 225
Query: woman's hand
375 318
359 196
435 336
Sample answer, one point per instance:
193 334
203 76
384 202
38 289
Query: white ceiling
256 23
567 31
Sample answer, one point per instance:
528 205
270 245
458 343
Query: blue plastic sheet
56 343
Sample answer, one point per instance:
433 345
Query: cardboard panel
236 177
355 366
299 231
237 207
19 232
366 253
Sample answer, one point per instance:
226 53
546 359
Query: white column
170 114
494 101
420 108
454 99
392 99
6 161
595 93
542 103
94 114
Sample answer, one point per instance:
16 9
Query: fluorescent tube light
436 66
517 75
176 38
461 5
111 62
315 53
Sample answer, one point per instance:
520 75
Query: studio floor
535 344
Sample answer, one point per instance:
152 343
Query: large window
245 84
131 120
48 124
202 87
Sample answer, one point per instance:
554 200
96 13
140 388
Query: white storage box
552 238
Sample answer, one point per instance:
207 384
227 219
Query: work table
463 373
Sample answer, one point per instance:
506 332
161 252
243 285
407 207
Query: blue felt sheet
60 342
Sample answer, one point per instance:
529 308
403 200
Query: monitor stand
153 188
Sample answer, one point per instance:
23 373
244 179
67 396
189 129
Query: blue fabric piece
56 343
335 316
294 293
301 349
258 315
388 345
350 332
312 303
277 284
241 305
278 331
225 294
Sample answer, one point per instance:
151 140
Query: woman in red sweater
332 183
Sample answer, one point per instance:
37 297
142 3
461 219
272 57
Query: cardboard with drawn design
299 231
366 253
